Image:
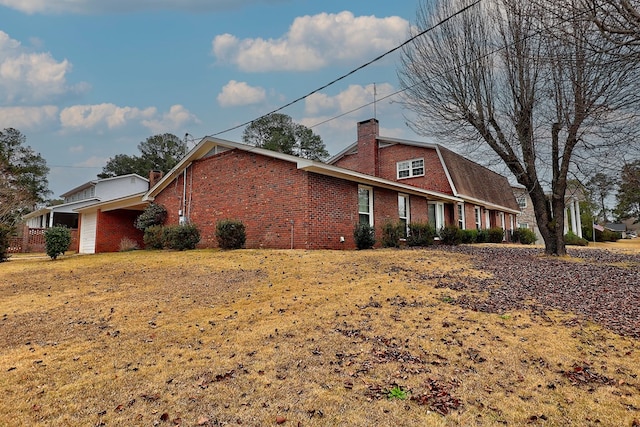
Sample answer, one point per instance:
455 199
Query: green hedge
231 234
421 234
57 240
451 235
177 237
392 232
364 235
570 239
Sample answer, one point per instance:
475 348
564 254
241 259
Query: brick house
290 202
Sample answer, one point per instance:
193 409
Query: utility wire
464 9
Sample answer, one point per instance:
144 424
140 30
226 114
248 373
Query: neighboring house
619 228
96 192
290 202
91 192
527 218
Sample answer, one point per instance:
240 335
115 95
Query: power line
464 9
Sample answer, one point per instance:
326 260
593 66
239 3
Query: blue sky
85 80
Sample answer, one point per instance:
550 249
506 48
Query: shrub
231 234
450 235
153 214
420 234
127 244
364 235
571 239
482 236
153 237
180 237
525 236
495 235
392 233
610 236
469 235
5 238
57 240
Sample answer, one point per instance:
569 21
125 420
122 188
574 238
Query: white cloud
109 6
27 118
313 42
103 117
236 94
100 116
353 97
27 77
175 119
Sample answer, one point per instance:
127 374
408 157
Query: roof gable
472 180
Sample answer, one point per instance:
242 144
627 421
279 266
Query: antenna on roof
374 101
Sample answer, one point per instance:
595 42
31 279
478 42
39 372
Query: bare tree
618 20
522 80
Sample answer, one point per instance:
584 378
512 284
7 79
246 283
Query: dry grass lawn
260 337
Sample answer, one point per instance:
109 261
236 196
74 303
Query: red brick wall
333 212
113 226
278 204
434 178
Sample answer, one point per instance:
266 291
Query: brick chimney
368 147
154 177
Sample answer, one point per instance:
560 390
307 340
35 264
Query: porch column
578 221
51 219
572 213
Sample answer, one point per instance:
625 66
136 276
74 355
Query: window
410 168
460 216
522 201
436 214
523 225
403 213
365 205
478 213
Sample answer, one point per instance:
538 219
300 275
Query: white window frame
369 190
461 221
413 168
478 212
522 202
503 225
403 200
487 218
439 214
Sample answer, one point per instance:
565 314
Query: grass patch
318 338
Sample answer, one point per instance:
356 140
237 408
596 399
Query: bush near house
571 239
495 235
482 236
524 236
392 232
177 237
364 235
153 237
181 237
154 214
421 234
230 234
57 240
451 235
469 236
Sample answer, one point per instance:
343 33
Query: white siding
120 186
88 233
